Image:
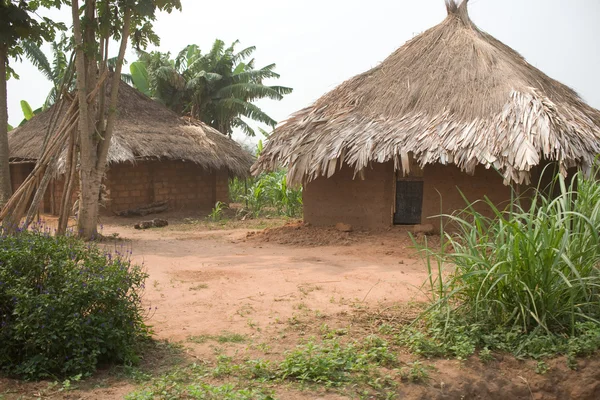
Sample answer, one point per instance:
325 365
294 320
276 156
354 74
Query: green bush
526 280
66 306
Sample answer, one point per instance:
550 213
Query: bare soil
280 285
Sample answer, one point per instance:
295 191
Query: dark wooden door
409 202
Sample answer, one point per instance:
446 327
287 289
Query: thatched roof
145 129
453 94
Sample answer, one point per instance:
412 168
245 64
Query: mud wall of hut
369 203
361 203
441 195
18 173
184 185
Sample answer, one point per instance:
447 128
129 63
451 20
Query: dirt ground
278 285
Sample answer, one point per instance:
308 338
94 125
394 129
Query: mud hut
452 108
155 156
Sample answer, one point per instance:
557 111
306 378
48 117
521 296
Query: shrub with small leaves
66 306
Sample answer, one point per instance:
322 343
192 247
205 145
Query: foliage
267 194
354 366
332 363
415 372
28 112
187 384
56 71
217 212
139 77
20 21
526 280
218 87
66 306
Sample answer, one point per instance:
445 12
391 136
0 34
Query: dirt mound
301 234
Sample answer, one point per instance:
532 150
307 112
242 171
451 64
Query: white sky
318 44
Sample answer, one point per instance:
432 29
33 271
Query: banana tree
218 88
28 112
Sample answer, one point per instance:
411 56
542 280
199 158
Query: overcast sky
318 44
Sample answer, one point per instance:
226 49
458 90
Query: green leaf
139 75
10 127
27 111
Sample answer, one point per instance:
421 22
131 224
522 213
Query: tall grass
532 268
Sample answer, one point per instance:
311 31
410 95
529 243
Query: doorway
409 202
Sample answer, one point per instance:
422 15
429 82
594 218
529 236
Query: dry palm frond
453 94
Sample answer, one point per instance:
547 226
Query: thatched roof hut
145 129
155 157
452 95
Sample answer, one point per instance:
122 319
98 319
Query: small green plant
199 286
541 367
485 355
415 372
216 213
66 306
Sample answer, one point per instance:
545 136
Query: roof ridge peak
459 9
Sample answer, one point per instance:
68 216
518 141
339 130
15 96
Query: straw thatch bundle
144 129
453 94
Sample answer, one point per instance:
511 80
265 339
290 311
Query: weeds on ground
224 337
367 368
187 383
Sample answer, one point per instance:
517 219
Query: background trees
218 87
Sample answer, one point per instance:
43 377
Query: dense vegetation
267 195
526 280
66 306
218 87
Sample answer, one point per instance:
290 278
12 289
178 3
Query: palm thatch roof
145 129
452 95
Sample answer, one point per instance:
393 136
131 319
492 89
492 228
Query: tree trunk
93 150
5 185
89 194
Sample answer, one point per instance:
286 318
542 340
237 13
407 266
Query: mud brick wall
448 179
364 203
18 174
369 203
184 185
222 186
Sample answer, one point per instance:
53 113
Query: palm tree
218 88
59 69
55 71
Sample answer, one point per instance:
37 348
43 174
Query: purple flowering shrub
66 306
